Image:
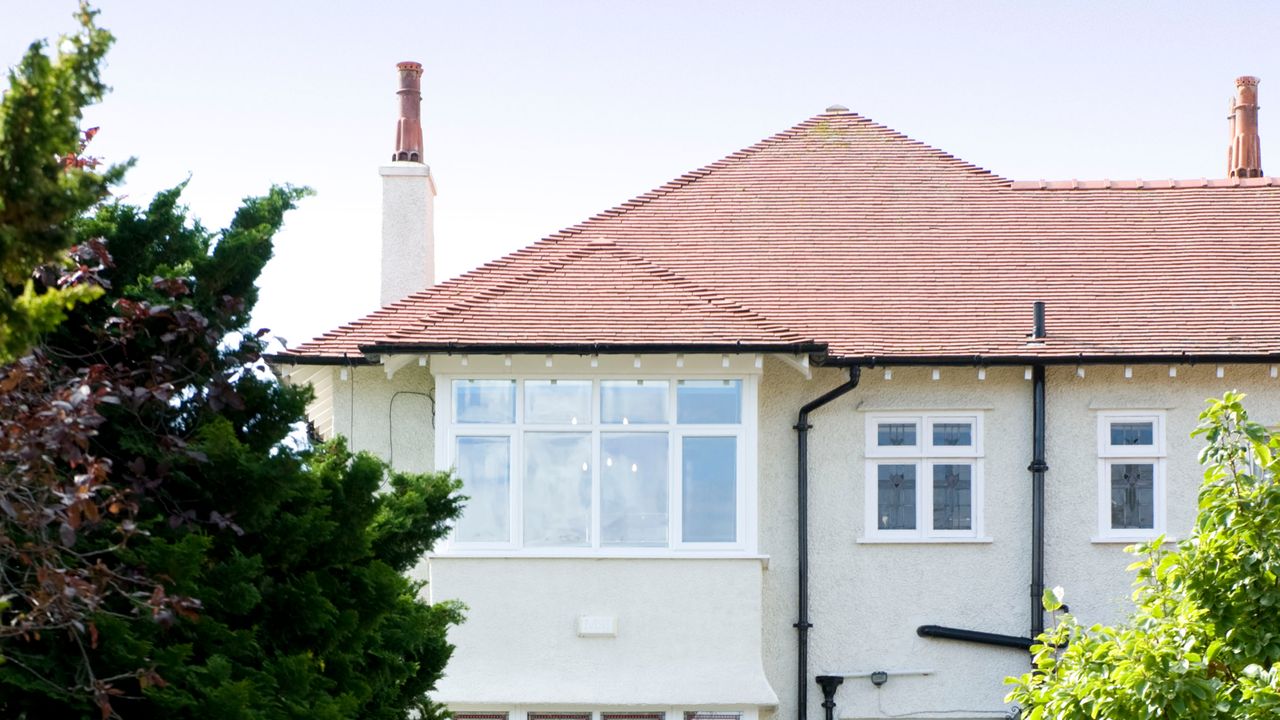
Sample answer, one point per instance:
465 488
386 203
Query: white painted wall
393 418
868 599
688 632
691 626
408 234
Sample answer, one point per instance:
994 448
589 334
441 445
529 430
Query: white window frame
745 490
924 455
1109 455
597 712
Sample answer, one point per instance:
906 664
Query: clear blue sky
539 114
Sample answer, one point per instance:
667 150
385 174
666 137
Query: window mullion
596 461
924 497
516 438
675 484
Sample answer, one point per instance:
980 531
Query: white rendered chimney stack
408 196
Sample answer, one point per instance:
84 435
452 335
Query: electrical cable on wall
927 713
391 436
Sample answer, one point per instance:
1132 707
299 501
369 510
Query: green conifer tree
167 550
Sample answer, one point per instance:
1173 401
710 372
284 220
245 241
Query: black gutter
593 348
802 624
974 636
285 359
814 349
1038 467
1078 359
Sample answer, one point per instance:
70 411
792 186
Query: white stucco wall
393 418
686 625
867 599
408 230
688 632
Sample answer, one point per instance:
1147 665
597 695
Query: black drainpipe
802 624
829 683
1037 467
974 636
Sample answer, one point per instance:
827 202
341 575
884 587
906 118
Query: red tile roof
844 235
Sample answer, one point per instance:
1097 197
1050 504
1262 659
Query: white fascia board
536 364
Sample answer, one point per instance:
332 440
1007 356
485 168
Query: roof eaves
978 359
597 348
1140 184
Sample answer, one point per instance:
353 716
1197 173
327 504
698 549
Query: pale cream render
717 633
408 230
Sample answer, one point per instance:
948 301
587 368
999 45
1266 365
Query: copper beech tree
169 548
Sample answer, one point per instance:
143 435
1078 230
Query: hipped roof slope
844 236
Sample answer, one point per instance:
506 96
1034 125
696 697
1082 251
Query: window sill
924 541
1130 539
547 555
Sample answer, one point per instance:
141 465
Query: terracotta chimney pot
1244 155
408 199
409 126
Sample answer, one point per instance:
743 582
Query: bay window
602 465
923 476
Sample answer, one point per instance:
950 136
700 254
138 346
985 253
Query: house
809 428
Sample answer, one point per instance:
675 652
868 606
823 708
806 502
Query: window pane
633 490
709 495
896 434
485 401
709 401
557 402
952 497
633 401
1133 496
484 465
557 489
1132 433
896 496
953 434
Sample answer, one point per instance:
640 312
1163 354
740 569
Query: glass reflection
952 497
1132 433
896 497
633 490
633 402
484 465
1133 496
897 434
709 493
557 402
952 434
485 401
709 401
557 489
